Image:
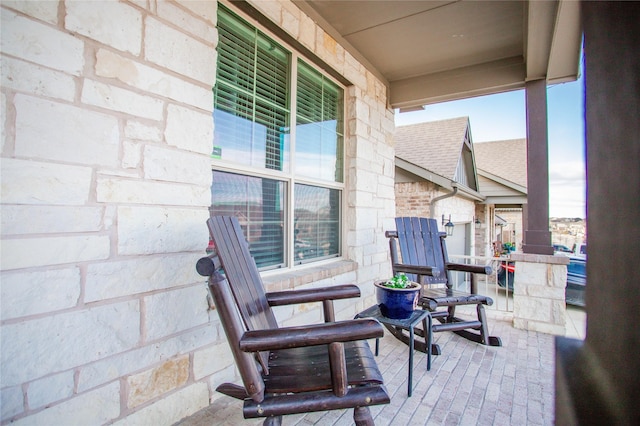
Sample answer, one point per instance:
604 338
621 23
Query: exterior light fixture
477 223
448 226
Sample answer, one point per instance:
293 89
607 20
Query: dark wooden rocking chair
290 370
419 250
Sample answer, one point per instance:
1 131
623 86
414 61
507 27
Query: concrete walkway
469 384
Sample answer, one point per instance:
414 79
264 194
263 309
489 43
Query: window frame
288 174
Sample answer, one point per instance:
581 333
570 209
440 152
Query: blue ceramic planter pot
397 303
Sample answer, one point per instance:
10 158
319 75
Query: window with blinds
251 96
290 215
318 126
258 204
317 223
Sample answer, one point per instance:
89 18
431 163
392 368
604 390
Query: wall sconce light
477 223
448 226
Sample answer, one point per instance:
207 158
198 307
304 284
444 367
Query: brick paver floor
469 384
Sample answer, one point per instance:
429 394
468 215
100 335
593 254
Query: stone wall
539 293
106 136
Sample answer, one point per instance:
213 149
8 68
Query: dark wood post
537 238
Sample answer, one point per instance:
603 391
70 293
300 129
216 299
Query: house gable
438 151
502 171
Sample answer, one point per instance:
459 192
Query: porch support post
537 238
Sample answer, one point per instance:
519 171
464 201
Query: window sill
292 279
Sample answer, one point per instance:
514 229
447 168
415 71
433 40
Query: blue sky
503 116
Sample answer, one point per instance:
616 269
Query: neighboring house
502 179
436 177
440 171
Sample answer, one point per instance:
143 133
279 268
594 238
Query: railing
498 285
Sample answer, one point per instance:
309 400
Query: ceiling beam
565 67
540 22
492 77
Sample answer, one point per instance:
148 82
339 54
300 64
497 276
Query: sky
503 116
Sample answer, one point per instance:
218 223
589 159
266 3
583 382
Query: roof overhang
511 200
434 51
439 180
503 181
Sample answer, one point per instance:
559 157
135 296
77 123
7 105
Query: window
278 161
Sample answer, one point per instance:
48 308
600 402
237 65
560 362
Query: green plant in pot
397 297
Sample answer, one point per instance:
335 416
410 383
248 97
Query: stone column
538 297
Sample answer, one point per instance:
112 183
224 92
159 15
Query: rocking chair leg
362 416
272 421
484 330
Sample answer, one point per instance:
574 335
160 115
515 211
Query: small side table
419 315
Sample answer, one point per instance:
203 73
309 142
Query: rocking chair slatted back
420 243
237 262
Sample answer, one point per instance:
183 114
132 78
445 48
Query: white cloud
567 189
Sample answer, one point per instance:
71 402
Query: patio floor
469 384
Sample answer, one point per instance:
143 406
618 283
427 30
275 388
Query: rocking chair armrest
310 335
474 269
291 297
416 269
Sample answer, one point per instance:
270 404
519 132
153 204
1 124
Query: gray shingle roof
505 159
434 146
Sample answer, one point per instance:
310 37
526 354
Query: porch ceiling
435 51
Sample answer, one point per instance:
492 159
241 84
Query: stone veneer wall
482 234
539 293
106 136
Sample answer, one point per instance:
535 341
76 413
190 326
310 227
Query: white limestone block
179 52
212 359
187 308
170 409
118 99
37 348
110 280
152 80
12 402
31 182
35 42
26 293
25 77
115 24
189 130
99 406
47 251
42 10
119 190
198 26
60 132
176 166
142 131
34 219
206 10
147 230
532 308
50 389
131 155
